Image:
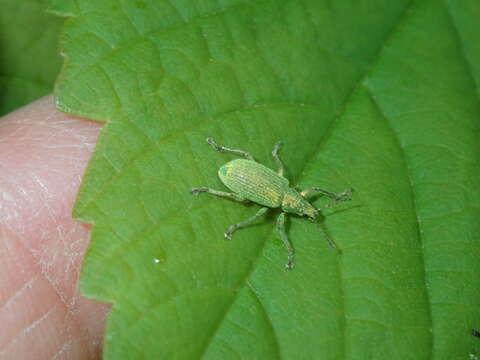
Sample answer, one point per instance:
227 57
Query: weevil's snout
293 203
311 214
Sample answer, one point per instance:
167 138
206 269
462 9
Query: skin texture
43 154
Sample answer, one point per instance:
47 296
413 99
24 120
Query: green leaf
29 60
380 96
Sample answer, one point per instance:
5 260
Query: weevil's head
294 203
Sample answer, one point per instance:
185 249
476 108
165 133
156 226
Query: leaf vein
416 212
466 63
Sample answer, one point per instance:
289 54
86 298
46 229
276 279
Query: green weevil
252 181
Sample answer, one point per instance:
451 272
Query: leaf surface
377 95
29 60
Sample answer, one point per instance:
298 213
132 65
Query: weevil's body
254 182
257 183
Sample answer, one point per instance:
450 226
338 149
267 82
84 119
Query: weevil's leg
228 150
336 198
276 149
341 197
329 240
243 223
233 196
283 236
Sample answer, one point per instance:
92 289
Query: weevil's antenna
329 239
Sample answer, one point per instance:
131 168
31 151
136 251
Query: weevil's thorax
294 203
